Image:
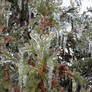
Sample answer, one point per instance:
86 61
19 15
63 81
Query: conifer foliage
35 55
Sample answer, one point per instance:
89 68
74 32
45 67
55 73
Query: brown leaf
54 83
0 30
32 62
16 89
62 90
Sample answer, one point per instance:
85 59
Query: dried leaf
0 30
62 90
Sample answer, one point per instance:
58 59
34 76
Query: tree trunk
70 86
24 16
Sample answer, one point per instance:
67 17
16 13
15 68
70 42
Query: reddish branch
7 77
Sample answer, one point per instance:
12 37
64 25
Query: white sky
85 4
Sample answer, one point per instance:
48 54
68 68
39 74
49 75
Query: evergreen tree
38 54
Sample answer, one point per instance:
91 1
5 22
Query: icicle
7 19
24 79
61 34
30 10
20 4
50 78
64 42
57 38
20 69
90 47
78 87
20 73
